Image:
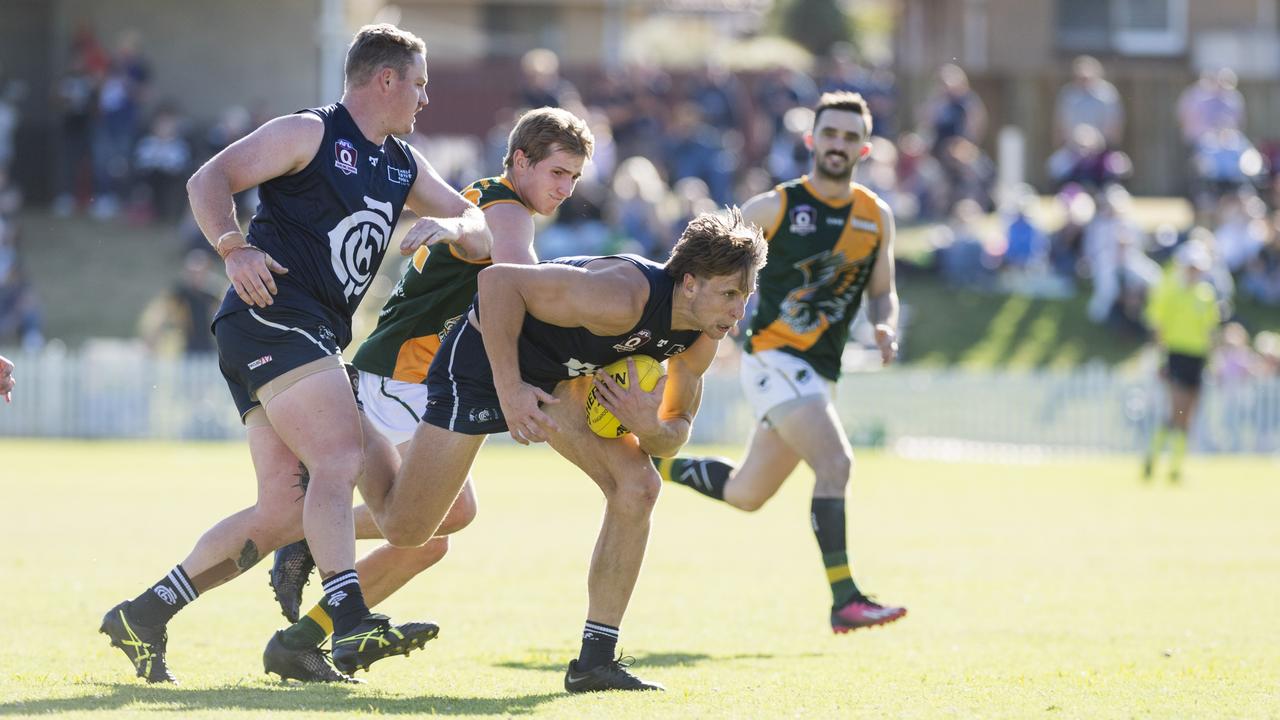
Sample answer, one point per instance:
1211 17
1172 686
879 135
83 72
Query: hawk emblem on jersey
345 156
828 288
803 219
356 246
636 340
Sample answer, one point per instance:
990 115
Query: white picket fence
120 391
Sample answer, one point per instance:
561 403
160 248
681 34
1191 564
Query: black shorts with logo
257 345
1185 370
460 392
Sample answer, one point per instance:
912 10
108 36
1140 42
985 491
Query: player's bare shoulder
764 210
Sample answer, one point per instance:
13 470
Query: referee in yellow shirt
1182 312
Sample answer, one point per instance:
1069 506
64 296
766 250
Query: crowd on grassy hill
670 145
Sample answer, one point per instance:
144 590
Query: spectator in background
639 199
1241 231
1085 160
1224 161
74 97
693 148
178 321
959 248
1182 314
1261 279
1121 270
1211 103
162 163
1066 244
541 84
120 100
1089 99
20 313
956 119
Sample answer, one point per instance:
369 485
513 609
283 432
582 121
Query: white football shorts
772 379
394 407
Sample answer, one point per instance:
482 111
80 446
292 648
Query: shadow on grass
328 699
652 660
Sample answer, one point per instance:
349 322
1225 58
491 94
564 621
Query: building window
1127 27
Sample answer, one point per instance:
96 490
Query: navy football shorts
258 345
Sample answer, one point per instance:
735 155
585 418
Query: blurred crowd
670 145
20 317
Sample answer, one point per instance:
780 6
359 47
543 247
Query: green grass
1063 590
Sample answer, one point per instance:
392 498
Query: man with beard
830 242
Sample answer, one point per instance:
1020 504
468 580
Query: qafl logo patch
637 340
345 156
357 244
803 220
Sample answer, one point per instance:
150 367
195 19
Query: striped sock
160 602
706 475
344 601
827 516
599 642
311 629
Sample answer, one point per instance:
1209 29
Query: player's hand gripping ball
601 421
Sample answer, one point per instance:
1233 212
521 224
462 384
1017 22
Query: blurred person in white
7 380
1224 161
1182 314
1089 99
1113 247
1210 103
1241 231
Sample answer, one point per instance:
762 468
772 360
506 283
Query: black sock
827 516
160 602
599 642
706 475
345 602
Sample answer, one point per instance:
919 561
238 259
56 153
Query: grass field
1063 590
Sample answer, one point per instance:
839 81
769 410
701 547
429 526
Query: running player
830 242
333 182
546 152
510 365
1183 315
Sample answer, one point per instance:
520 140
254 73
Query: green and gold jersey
820 259
436 289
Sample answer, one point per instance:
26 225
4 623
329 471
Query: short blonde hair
537 131
377 46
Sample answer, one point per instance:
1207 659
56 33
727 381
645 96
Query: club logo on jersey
803 220
636 340
344 157
357 244
399 176
576 367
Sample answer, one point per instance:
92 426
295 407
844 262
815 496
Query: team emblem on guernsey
356 246
345 156
634 342
803 219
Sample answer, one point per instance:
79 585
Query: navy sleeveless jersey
550 353
330 223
